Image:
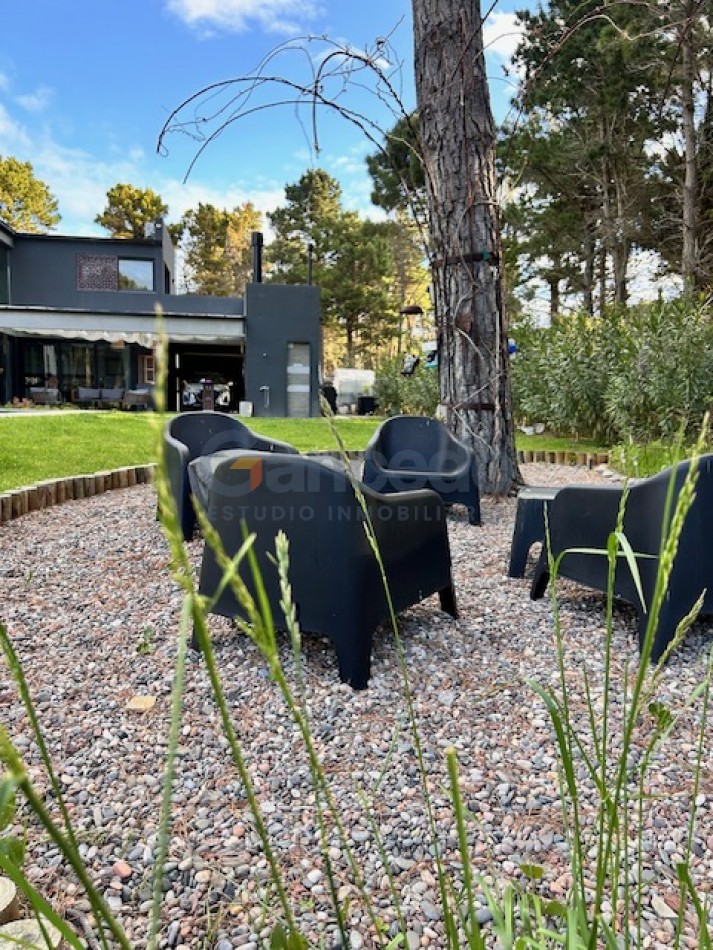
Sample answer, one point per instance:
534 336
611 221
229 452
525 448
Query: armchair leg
540 580
474 514
354 658
447 596
194 641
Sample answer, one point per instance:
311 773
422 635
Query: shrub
644 374
416 394
559 376
663 380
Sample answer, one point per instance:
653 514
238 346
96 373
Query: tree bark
622 245
554 285
589 264
458 152
689 250
602 278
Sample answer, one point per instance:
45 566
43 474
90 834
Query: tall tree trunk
602 278
554 285
458 151
589 262
608 229
349 355
622 245
689 250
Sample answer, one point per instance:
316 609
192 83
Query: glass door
298 377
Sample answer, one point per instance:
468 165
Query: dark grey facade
82 312
283 347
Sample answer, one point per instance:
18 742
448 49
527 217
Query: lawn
34 446
37 446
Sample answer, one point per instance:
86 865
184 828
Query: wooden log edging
585 459
55 491
353 455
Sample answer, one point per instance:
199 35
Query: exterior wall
44 274
278 314
169 261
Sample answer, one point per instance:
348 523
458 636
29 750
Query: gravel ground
93 613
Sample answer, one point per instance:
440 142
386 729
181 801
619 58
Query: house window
147 370
135 274
106 272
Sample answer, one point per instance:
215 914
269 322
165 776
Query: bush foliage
416 394
645 373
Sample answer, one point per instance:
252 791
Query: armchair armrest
412 521
176 455
273 445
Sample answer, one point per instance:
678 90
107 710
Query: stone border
56 491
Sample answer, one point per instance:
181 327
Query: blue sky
86 85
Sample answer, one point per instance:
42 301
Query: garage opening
190 363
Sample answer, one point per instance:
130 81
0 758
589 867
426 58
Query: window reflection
135 274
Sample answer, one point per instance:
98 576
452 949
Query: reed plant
602 859
605 903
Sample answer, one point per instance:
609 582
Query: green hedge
645 373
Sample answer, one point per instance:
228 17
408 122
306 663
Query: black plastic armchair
189 436
584 517
336 583
409 452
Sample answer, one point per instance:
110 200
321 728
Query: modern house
81 312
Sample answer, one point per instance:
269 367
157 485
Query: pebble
122 869
94 577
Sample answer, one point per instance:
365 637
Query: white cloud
4 81
501 34
275 16
12 134
348 165
80 180
36 101
180 196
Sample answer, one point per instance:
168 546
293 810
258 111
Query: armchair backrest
693 567
278 489
420 443
205 432
646 506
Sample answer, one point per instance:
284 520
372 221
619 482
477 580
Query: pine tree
458 149
129 210
26 203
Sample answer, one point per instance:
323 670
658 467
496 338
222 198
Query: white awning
126 327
